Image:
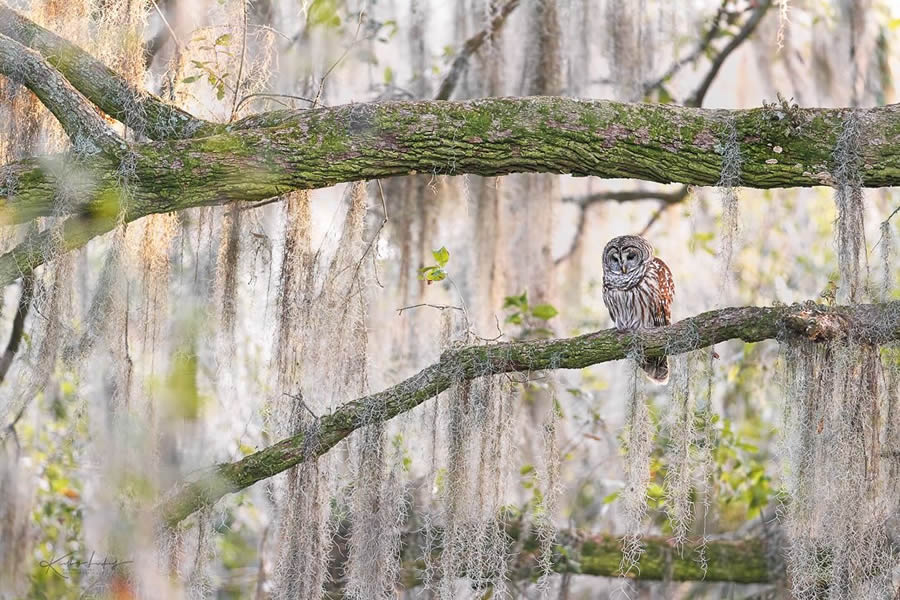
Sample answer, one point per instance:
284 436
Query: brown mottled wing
665 286
659 279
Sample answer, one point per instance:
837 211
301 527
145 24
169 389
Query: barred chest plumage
638 291
640 302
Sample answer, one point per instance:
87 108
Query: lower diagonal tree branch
871 323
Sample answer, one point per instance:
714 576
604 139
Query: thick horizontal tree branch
726 559
85 127
873 323
737 561
112 93
267 155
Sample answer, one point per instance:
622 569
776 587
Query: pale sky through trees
304 299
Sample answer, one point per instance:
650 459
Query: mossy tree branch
726 558
873 323
85 127
112 93
264 156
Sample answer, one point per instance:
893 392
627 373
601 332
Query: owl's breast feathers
642 299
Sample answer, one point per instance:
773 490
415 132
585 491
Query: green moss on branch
267 155
872 323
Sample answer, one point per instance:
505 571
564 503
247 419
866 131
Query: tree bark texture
868 323
269 154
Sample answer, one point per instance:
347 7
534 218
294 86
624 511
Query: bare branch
870 323
701 49
672 197
112 93
666 200
470 47
696 98
18 327
85 127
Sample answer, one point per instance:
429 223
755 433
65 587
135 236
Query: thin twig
885 222
338 61
18 327
266 95
696 98
377 232
655 217
437 306
699 51
166 23
666 199
240 74
470 47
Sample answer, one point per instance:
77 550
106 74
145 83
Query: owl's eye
631 256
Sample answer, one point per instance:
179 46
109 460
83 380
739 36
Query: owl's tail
657 368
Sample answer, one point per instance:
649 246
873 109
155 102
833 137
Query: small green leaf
609 498
654 490
520 302
544 311
441 256
557 408
190 79
220 91
515 318
388 76
223 40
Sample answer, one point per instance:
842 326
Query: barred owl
638 292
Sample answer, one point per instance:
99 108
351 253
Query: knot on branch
818 324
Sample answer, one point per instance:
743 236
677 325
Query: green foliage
532 318
323 13
58 509
436 272
214 71
182 394
401 452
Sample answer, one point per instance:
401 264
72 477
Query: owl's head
627 257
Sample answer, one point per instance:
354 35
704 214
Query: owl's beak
625 269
